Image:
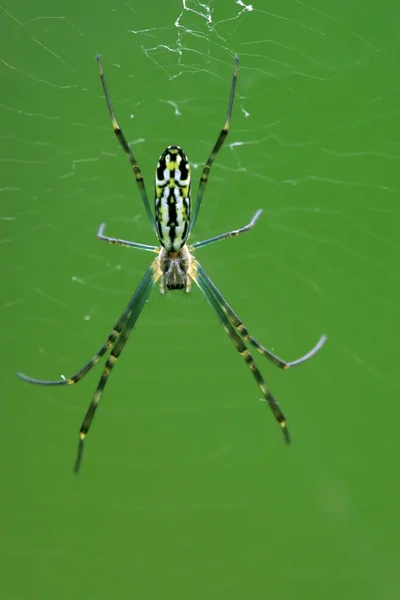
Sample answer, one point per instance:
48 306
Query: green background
187 490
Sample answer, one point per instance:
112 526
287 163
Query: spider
175 267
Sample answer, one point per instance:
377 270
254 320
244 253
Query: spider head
174 267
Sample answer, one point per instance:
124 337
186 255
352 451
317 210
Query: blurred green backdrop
187 490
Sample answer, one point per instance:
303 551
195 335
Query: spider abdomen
172 198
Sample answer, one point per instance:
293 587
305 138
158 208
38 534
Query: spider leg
117 242
239 326
229 234
137 303
200 278
216 148
118 327
127 149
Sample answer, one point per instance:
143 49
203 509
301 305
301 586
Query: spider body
174 267
172 199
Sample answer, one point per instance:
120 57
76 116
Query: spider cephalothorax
175 269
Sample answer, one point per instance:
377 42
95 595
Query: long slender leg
217 147
117 242
118 327
123 141
138 301
239 326
243 351
229 234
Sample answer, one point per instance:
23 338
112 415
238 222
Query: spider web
314 142
53 160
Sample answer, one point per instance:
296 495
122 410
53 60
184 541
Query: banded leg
239 326
229 234
123 141
217 146
112 338
239 344
137 303
117 242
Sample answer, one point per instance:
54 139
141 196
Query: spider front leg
197 274
112 338
136 304
242 330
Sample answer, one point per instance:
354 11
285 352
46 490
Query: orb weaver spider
175 267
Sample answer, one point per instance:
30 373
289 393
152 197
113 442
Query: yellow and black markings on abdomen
172 198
